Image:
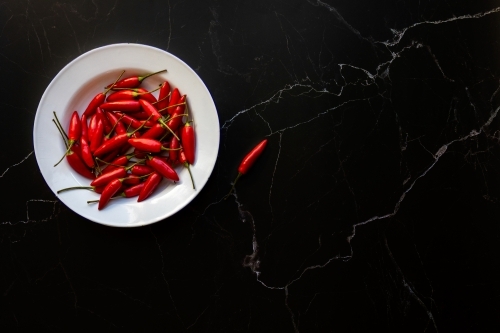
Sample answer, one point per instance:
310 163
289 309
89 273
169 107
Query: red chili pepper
133 81
104 179
123 106
98 100
183 161
107 125
141 170
145 144
98 135
175 98
150 109
131 94
74 133
114 121
116 163
188 140
94 103
154 132
248 161
133 191
132 180
109 191
150 185
163 96
162 167
84 144
177 115
115 142
77 164
173 154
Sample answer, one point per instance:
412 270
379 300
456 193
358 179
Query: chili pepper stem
60 126
232 187
90 188
66 153
168 128
146 76
111 86
190 175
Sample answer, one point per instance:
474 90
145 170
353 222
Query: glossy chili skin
94 103
176 119
162 167
174 99
75 128
150 110
115 142
119 128
123 106
104 179
77 164
188 142
133 191
141 170
133 81
155 131
251 157
109 191
145 144
163 96
150 185
174 154
84 144
97 138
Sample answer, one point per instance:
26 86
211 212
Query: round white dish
73 88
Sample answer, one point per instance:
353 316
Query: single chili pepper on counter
133 81
248 161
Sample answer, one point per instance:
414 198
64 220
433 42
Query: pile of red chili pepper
128 140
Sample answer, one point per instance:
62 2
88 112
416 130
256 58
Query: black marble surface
375 207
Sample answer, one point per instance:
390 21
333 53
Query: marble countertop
375 206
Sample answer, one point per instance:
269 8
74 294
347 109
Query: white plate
73 88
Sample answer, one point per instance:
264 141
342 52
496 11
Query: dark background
375 205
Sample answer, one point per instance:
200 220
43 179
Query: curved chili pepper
145 144
162 167
188 142
99 99
174 99
132 191
84 144
141 170
74 133
132 94
133 81
123 106
105 121
150 110
163 96
248 161
154 132
177 115
150 185
109 191
104 179
94 103
98 135
183 161
114 121
115 142
77 164
116 163
173 154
